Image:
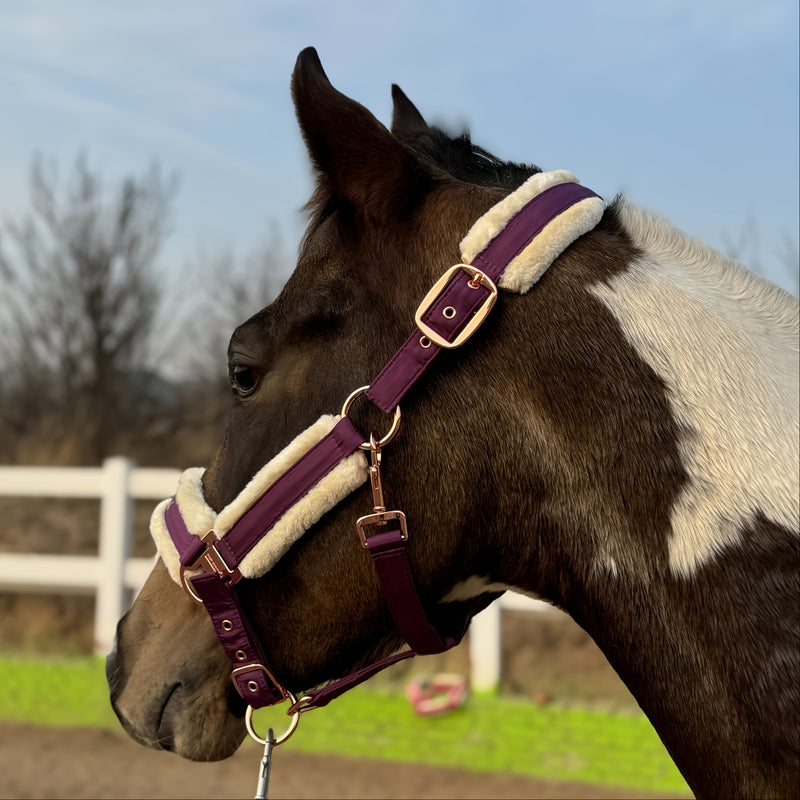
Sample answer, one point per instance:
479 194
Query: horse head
598 444
386 218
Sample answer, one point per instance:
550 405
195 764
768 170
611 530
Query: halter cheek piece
510 246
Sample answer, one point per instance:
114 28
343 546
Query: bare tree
745 247
233 289
80 302
789 259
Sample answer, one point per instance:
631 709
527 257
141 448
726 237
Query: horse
619 438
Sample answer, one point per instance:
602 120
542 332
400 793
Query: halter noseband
510 246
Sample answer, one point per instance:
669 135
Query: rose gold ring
248 721
392 430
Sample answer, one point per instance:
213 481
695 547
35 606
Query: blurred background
151 184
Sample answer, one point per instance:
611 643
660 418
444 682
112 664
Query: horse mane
462 159
655 235
455 155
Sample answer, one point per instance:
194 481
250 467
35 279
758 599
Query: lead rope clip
295 708
263 772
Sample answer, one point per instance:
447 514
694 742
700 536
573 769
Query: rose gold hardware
381 520
392 430
252 686
227 625
375 476
240 655
300 705
476 282
210 560
245 668
295 709
379 517
449 312
424 342
477 318
187 584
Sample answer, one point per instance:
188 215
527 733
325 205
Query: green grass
55 693
492 734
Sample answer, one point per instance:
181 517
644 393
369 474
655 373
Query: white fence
114 576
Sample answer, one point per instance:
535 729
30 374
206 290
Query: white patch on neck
474 586
725 343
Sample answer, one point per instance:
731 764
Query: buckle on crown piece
478 278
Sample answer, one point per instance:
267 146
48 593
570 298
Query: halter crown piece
509 247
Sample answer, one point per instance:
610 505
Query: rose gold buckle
252 685
478 279
380 517
210 560
380 520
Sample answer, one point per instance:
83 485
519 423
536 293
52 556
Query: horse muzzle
167 701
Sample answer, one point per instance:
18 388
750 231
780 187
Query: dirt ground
86 763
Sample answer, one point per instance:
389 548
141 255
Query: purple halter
446 318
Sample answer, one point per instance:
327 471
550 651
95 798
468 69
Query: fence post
484 648
116 535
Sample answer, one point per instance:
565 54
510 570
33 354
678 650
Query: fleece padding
530 264
200 518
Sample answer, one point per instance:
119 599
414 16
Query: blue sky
690 107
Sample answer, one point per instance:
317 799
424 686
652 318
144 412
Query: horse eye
243 379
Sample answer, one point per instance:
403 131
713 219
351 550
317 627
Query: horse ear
407 122
350 148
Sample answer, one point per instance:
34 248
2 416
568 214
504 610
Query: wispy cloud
184 58
636 88
121 120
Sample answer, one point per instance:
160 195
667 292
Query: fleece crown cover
546 246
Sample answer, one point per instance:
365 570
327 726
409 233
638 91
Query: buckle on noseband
252 686
210 560
478 278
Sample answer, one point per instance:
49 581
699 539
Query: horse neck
710 658
712 664
701 630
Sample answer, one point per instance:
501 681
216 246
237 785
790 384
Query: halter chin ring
295 709
390 433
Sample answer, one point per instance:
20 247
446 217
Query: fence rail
114 576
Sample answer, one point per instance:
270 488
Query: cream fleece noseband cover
200 518
519 276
